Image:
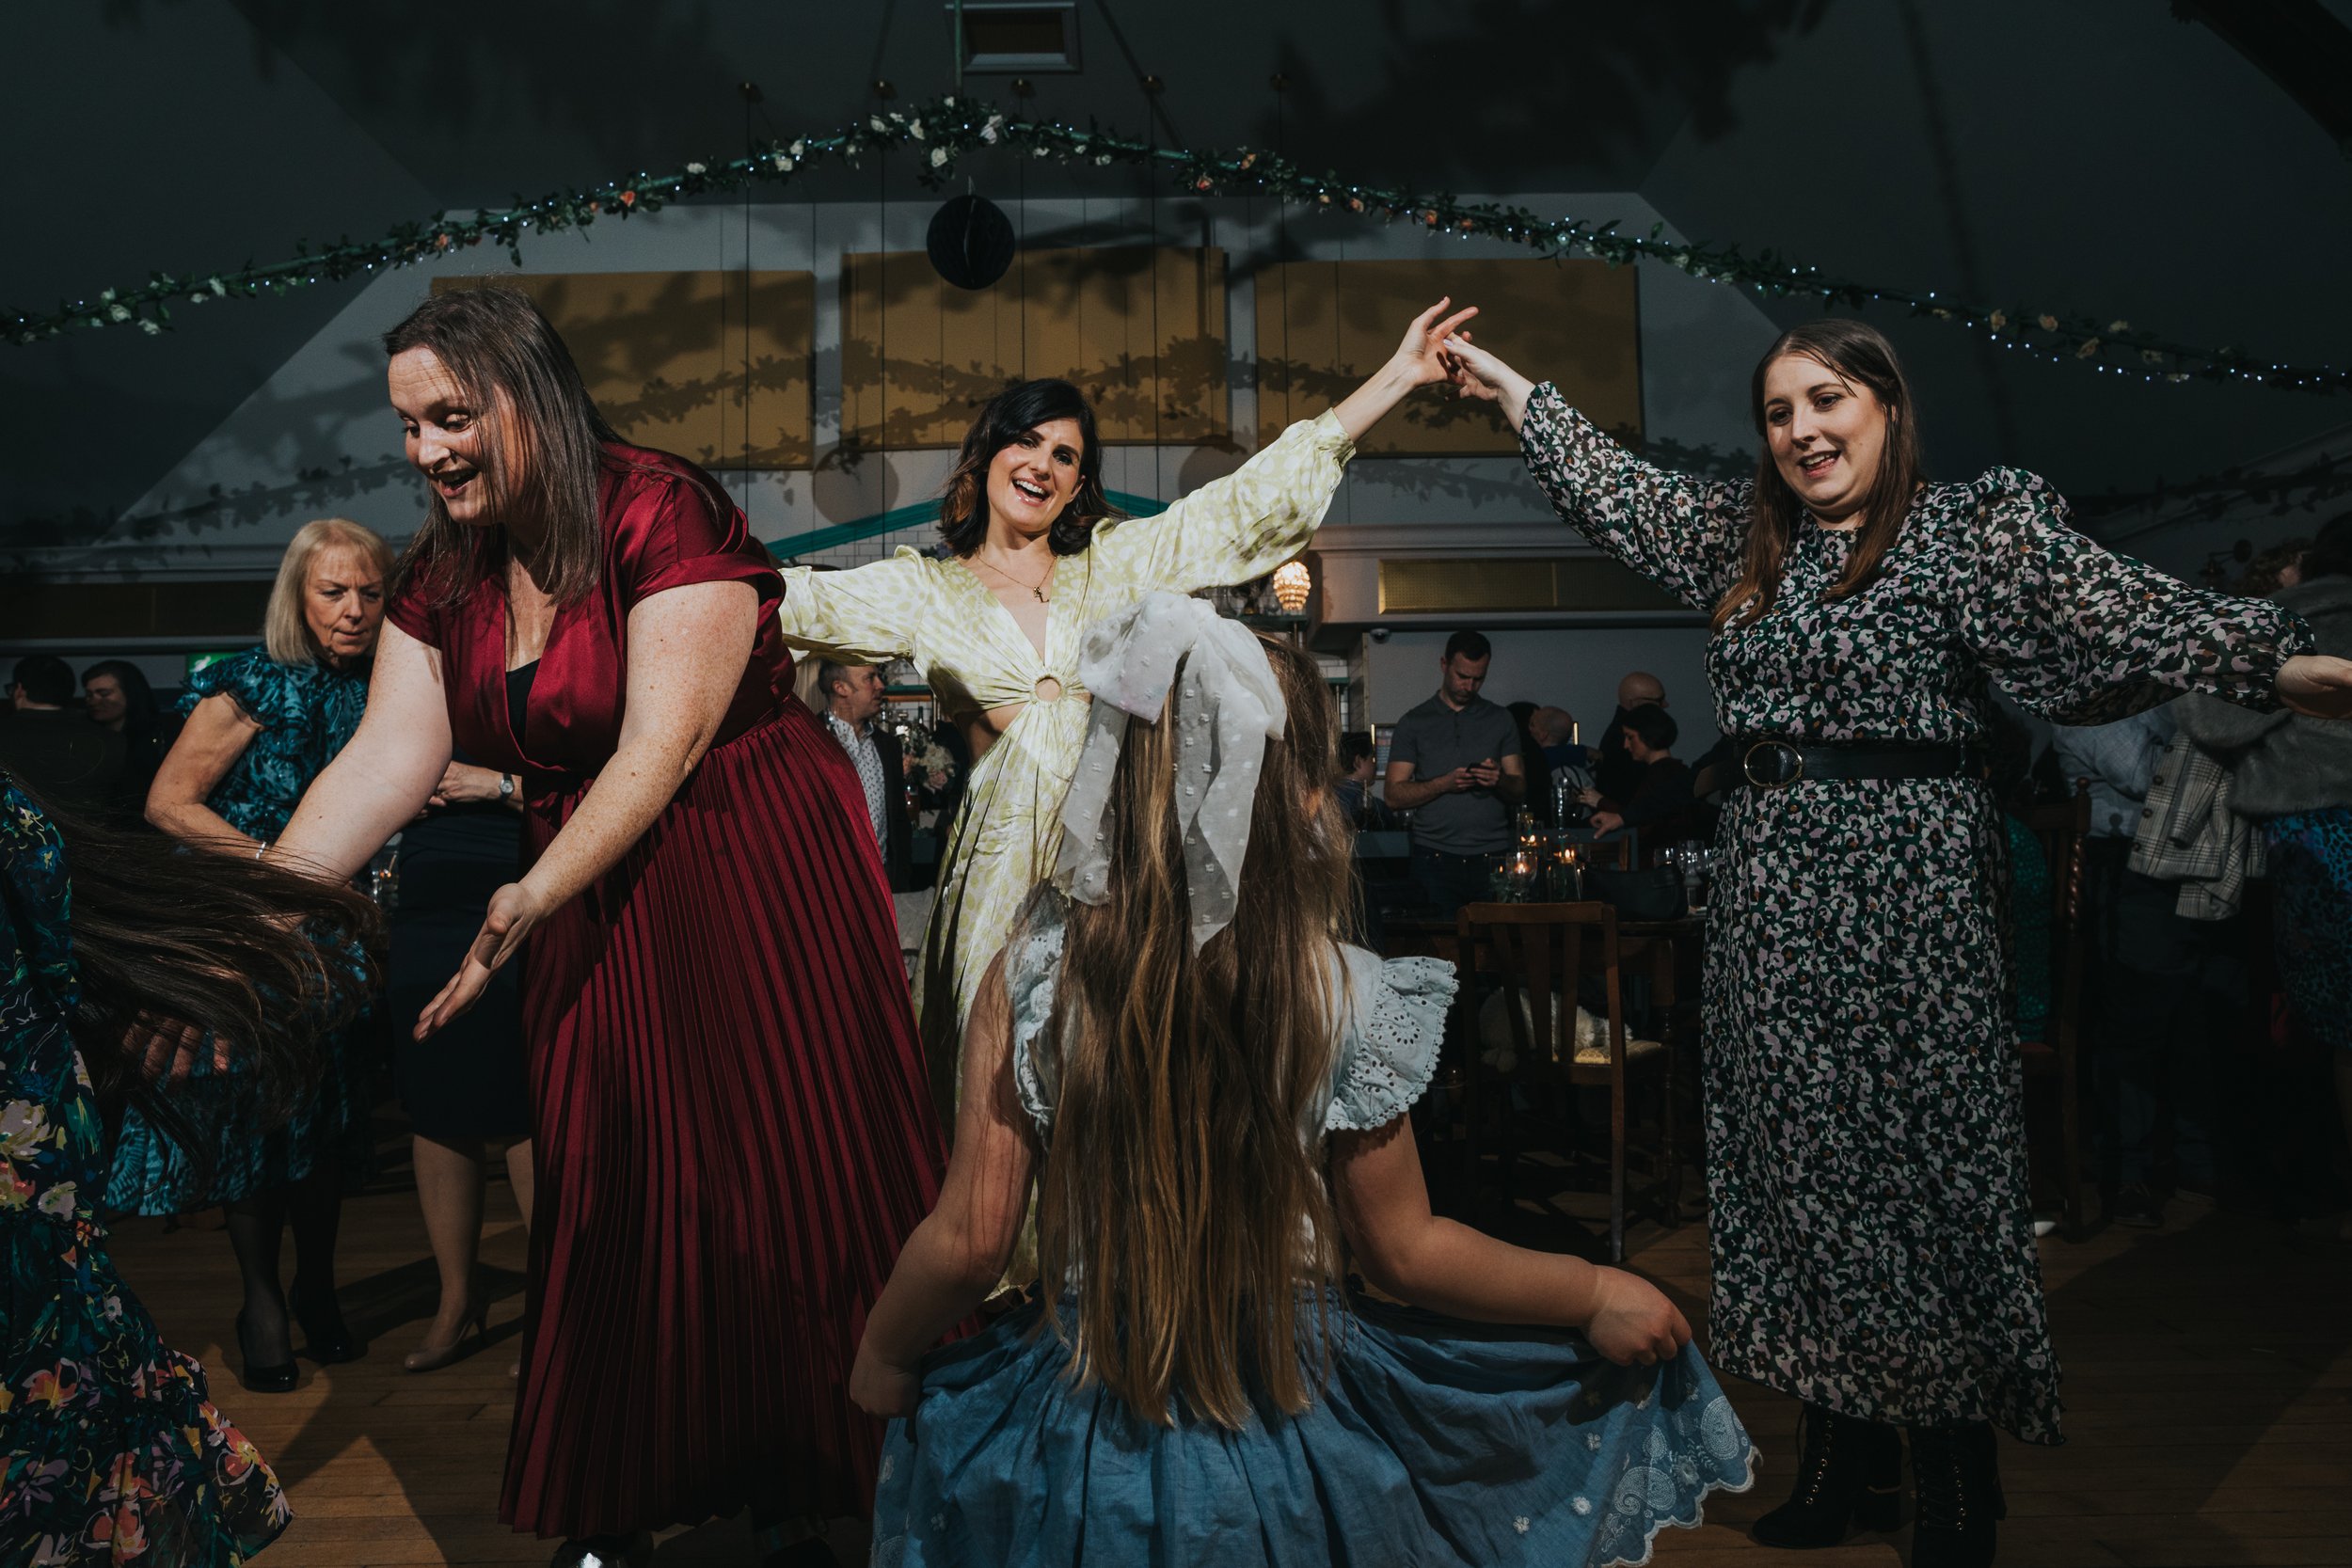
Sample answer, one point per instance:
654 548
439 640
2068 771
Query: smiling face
343 602
1826 434
1033 478
446 439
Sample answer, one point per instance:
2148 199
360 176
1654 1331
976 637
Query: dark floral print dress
1873 1245
110 1452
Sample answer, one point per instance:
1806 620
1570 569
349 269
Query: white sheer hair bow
1230 705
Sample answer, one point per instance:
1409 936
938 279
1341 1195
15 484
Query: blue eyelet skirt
1434 1443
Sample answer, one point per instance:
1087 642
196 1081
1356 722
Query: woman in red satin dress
731 1131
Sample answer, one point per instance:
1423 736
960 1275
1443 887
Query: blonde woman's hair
286 630
1184 1183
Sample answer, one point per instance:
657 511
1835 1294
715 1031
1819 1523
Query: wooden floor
2208 1388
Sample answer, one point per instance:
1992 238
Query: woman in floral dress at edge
111 1451
1036 556
1862 1076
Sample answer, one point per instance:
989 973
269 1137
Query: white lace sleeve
1032 965
1396 1021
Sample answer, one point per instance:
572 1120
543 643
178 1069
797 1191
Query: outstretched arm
687 649
959 1253
383 775
1680 531
1408 1252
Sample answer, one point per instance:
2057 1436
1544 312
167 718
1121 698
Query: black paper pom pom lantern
971 242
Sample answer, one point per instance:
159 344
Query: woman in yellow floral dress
1036 557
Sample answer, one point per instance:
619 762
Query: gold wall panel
1494 586
1322 326
919 356
668 356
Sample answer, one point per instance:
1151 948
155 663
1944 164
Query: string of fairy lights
945 130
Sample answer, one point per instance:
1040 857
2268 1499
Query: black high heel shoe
275 1379
326 1336
605 1551
1849 1474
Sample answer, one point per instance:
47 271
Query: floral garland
950 128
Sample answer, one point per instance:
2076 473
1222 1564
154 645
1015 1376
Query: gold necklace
1037 589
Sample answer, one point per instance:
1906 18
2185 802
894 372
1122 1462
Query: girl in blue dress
1208 1093
260 727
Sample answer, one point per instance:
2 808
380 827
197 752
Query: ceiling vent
1009 37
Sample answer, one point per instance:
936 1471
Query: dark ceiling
2108 157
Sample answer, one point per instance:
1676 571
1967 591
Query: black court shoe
326 1335
277 1378
1849 1474
1956 1479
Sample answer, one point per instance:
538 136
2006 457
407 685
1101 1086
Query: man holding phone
1455 764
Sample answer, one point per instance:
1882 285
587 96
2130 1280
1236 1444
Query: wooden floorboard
2208 1380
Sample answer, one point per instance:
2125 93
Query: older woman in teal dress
260 727
111 1450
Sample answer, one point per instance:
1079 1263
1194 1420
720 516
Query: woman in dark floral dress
1873 1245
110 1449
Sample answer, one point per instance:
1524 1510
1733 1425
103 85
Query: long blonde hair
1181 1184
285 629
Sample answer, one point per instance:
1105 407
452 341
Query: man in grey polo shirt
1455 764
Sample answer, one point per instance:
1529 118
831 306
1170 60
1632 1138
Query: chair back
2063 829
1536 952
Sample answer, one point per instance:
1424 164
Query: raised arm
687 649
383 775
1404 1250
1250 522
1682 533
958 1254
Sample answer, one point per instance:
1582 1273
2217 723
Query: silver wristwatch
506 787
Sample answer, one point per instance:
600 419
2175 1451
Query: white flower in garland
697 168
938 157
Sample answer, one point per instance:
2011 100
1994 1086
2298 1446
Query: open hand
1418 360
2318 685
166 1049
1634 1324
1476 373
515 910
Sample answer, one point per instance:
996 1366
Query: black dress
1873 1247
467 1080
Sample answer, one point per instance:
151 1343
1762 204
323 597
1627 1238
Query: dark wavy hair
1008 417
1855 352
541 447
206 941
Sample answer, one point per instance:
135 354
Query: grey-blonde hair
286 630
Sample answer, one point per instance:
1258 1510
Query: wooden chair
2062 829
1535 953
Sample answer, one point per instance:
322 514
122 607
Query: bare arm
1406 1251
214 737
1512 785
382 777
1419 361
958 1254
686 648
1403 792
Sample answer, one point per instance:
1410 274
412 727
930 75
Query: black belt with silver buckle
1775 762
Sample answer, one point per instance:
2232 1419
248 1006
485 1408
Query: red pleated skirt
733 1139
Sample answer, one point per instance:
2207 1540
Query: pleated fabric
728 1111
728 1091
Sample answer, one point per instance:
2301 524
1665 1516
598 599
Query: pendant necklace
1037 589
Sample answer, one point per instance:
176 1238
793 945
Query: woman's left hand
1418 360
2318 685
880 1389
515 910
463 784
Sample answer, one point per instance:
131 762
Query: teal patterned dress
307 714
112 1454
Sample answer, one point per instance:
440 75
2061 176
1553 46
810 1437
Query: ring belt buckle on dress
1786 765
